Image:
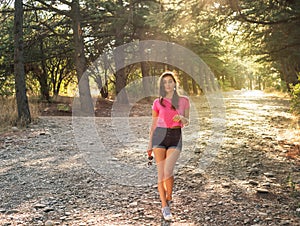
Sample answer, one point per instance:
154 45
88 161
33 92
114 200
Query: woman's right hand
150 146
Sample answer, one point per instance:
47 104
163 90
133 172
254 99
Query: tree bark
185 83
87 108
22 101
121 93
121 76
195 88
147 82
290 74
43 77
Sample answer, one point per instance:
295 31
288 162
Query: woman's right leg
171 157
160 159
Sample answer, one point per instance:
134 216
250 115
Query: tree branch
54 9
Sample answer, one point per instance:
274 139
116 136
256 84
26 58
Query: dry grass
9 113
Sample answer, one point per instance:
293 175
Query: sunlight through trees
247 44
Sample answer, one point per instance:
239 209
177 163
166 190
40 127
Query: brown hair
162 92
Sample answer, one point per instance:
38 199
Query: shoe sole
168 218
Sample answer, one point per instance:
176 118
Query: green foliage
7 86
64 107
6 56
295 94
271 29
247 44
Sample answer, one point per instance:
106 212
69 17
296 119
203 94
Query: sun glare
232 28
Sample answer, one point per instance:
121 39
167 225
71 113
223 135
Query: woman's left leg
160 159
172 155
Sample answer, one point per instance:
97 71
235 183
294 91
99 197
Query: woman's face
169 84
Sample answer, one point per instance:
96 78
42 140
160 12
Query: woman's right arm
152 128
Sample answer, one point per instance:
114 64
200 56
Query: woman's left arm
185 118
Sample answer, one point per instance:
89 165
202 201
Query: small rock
38 217
39 206
267 184
12 211
262 214
197 174
197 150
207 218
269 174
246 221
154 186
226 185
262 190
49 223
252 182
14 129
116 215
6 224
48 209
285 222
150 217
63 218
254 171
67 213
133 204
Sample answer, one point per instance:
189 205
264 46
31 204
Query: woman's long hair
162 91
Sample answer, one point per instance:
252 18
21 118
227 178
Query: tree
87 107
75 16
272 29
7 79
20 85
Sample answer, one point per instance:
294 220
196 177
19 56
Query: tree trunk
43 77
147 82
19 71
290 74
259 82
42 74
121 76
121 93
195 88
185 83
86 104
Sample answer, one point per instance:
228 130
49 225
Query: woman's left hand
177 118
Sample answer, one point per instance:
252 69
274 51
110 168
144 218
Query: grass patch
9 112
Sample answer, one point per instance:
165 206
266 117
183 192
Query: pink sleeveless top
166 114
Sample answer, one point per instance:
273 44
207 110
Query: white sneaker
166 213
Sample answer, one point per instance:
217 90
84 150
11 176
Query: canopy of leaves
242 41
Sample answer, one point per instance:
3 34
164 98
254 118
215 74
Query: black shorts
167 138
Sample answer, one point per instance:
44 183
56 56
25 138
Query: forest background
46 46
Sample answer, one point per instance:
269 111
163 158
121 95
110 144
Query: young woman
170 112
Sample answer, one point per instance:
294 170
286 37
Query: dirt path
46 178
